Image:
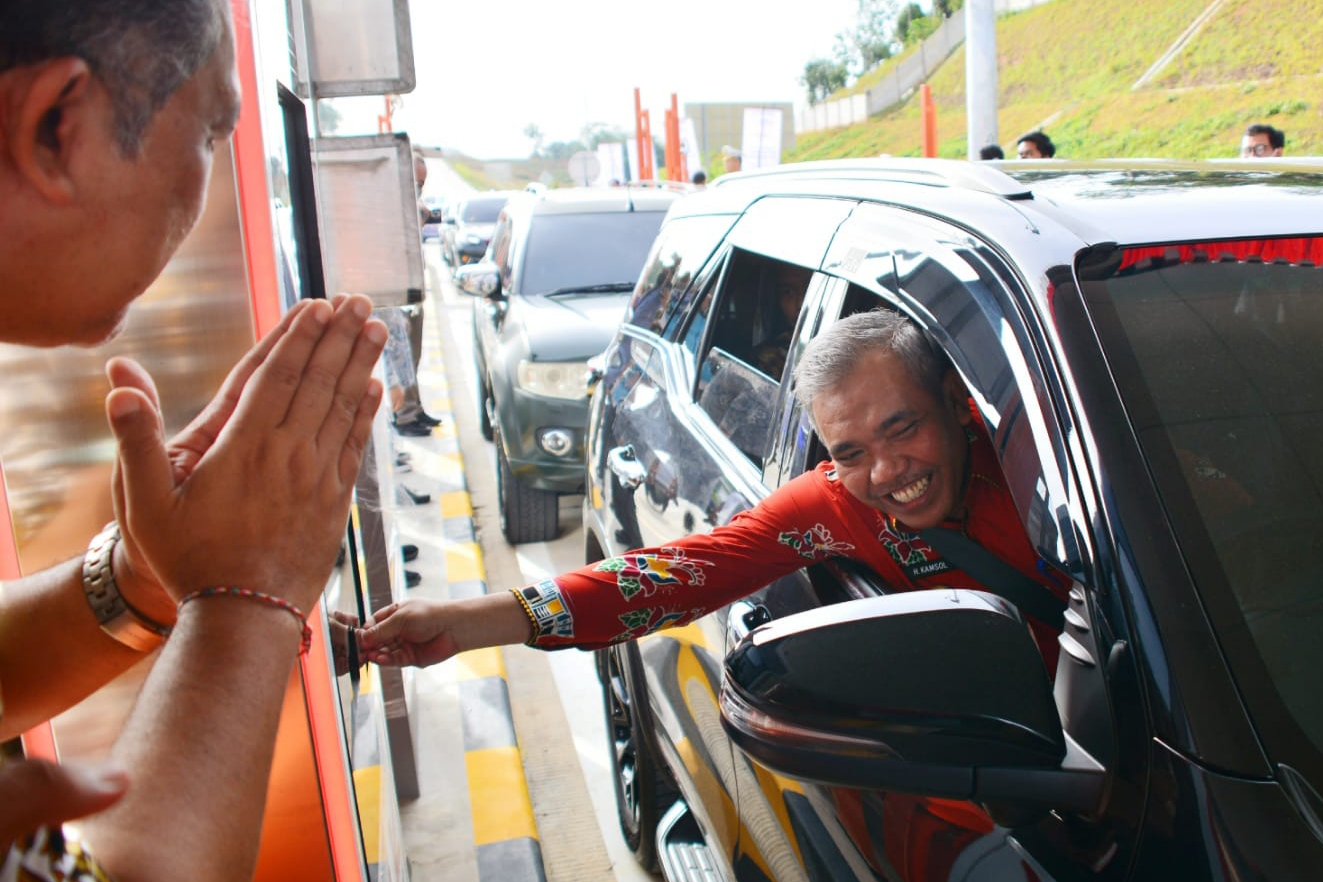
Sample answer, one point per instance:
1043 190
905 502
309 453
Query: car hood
571 326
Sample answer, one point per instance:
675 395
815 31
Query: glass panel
574 251
1216 351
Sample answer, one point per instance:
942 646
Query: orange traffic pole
680 173
646 172
639 126
929 120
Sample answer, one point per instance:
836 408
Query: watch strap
112 612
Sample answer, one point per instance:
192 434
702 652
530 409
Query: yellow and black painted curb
504 830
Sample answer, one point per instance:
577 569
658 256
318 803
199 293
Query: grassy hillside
1068 66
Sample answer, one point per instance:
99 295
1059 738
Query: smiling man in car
910 464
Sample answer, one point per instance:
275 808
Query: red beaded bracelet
278 602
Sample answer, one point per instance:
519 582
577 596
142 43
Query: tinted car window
579 250
482 211
1216 357
678 253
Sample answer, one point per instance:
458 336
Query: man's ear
40 131
957 396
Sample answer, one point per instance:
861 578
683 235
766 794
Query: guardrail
905 77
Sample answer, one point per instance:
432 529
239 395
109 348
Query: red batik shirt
806 520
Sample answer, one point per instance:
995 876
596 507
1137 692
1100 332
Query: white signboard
761 140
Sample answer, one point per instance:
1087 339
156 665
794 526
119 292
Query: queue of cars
560 270
1142 341
468 224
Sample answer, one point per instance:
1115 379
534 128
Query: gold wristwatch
113 614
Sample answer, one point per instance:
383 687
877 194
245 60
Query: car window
482 211
500 247
1216 352
679 251
568 251
749 320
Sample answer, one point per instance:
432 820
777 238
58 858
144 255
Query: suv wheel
527 513
642 793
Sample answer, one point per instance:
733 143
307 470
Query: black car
1144 343
468 225
564 264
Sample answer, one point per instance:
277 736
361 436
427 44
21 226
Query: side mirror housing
479 279
939 693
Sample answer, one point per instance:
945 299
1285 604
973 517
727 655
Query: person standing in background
405 349
1035 145
731 158
1261 141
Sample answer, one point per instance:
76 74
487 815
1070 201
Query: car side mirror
480 279
939 693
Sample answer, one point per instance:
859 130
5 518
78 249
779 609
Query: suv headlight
555 379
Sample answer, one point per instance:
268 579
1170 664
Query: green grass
1069 65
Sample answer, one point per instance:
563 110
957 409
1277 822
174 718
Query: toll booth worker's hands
139 585
422 632
261 503
36 793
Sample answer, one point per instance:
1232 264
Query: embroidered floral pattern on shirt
645 573
641 622
814 543
904 548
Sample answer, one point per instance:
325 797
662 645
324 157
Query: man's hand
424 632
414 632
139 585
37 793
255 492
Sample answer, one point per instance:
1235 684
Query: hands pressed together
255 492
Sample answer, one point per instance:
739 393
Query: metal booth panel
369 218
359 48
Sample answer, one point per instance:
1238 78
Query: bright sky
488 69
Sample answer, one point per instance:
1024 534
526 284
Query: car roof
1122 201
593 200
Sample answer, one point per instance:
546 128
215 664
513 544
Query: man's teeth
908 494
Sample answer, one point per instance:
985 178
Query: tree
873 39
907 16
328 118
595 133
534 133
823 77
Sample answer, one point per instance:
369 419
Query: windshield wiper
590 289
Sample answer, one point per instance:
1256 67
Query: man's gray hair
833 355
141 50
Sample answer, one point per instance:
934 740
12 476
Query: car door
690 415
972 304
